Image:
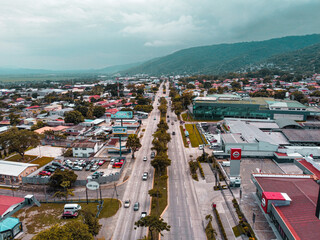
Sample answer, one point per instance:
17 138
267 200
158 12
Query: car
200 147
88 167
155 119
112 161
168 120
152 155
94 168
77 168
171 123
143 214
145 176
173 133
70 214
56 164
100 163
145 158
127 203
136 206
44 173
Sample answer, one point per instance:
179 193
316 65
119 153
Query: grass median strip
184 137
194 135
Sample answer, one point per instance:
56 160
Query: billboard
122 115
119 130
235 154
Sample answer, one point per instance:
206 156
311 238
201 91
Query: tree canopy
19 140
62 176
73 117
154 224
133 143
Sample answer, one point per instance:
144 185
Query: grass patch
38 218
236 231
184 137
42 161
159 204
187 117
110 207
194 135
18 158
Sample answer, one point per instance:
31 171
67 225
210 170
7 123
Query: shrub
201 170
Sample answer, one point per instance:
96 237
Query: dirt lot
45 151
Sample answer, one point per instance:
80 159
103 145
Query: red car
70 214
44 173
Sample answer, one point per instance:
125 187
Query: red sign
235 153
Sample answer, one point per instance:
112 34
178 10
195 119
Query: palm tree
133 143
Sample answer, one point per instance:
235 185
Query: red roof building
293 204
8 203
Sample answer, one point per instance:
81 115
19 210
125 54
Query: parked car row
50 169
213 142
88 165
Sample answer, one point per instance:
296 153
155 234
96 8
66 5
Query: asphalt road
183 213
135 189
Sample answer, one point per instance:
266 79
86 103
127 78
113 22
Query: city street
136 190
183 213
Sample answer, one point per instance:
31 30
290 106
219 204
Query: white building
85 148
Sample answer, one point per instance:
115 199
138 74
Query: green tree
62 176
236 86
73 230
299 96
156 225
14 119
74 117
78 230
55 232
67 191
160 162
92 222
98 111
19 140
39 124
133 143
280 94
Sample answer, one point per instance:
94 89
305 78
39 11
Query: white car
145 176
200 147
145 158
127 203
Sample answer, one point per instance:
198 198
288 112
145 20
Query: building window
84 149
75 148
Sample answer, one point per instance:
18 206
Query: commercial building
290 204
12 172
221 106
85 148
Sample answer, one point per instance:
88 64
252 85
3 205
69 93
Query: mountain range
293 53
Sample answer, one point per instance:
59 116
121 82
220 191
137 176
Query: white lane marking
177 200
179 221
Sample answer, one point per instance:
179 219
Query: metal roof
285 122
299 216
9 168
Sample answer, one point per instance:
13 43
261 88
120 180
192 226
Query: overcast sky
83 34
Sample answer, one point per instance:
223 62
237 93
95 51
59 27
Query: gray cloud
73 34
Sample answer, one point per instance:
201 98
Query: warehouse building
221 106
290 203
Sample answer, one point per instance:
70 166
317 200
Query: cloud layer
73 34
